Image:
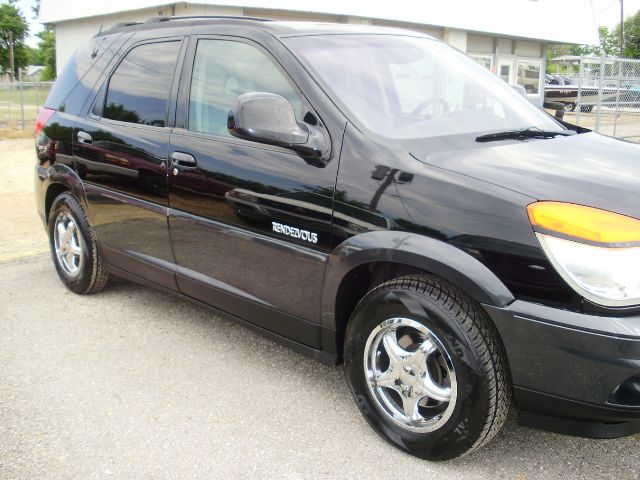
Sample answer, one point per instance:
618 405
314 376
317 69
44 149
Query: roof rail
203 17
124 24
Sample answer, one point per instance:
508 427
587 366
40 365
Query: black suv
364 195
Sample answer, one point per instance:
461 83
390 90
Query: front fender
414 250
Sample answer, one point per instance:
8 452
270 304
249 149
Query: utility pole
11 56
621 28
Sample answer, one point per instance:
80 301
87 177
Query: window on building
139 89
485 60
222 71
529 75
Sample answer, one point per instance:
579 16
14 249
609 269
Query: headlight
596 252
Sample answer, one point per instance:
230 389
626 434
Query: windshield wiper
522 134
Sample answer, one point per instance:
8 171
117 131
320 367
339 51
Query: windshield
405 87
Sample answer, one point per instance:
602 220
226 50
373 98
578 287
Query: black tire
83 275
471 342
569 107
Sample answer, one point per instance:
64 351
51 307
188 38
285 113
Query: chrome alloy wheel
410 375
68 243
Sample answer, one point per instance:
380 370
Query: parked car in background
367 196
557 80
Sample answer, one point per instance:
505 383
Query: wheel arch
366 260
61 178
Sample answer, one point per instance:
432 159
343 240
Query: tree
47 53
35 8
12 22
609 42
631 36
33 55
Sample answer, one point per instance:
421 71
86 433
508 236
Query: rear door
120 150
250 223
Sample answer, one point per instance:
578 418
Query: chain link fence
20 103
602 95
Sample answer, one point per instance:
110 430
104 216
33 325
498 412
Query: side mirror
269 118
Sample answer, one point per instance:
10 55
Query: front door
250 223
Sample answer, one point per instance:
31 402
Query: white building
510 37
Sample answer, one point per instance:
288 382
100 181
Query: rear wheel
426 367
74 248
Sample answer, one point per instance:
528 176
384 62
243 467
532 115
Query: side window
139 89
223 70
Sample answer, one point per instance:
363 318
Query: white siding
525 19
528 49
456 38
480 44
293 16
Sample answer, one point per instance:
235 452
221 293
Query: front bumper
583 371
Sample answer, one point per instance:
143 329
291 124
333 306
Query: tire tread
473 320
99 276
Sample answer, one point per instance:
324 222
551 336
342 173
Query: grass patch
34 95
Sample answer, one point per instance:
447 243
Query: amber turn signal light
584 223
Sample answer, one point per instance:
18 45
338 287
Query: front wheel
74 247
427 368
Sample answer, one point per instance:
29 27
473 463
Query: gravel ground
131 383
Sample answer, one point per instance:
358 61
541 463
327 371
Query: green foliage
47 53
33 55
609 42
631 36
35 9
12 20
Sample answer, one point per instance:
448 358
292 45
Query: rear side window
86 64
224 69
139 89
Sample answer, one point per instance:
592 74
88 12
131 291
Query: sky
34 26
607 13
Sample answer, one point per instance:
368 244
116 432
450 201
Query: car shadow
516 452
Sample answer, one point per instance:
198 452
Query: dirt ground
21 231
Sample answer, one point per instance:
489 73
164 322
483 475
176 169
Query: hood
586 169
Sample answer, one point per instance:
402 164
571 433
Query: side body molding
414 250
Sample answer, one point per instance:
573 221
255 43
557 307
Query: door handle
84 137
183 161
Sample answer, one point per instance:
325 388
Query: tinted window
86 65
223 70
139 88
